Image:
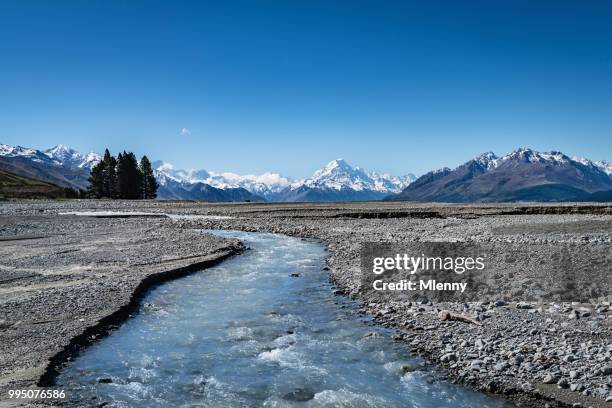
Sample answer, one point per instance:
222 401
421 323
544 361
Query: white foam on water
288 357
286 340
239 333
346 399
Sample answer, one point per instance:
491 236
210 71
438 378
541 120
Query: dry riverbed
61 274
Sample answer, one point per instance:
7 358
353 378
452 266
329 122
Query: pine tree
149 184
110 175
96 181
129 177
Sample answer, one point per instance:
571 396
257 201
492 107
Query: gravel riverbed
61 274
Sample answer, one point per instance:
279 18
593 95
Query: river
246 333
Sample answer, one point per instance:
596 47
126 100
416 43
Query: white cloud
185 132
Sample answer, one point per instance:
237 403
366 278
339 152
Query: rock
448 357
576 387
524 305
569 358
563 383
105 380
295 275
606 370
491 386
499 303
299 394
549 379
407 369
476 364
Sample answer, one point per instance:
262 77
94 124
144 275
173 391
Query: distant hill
16 186
523 175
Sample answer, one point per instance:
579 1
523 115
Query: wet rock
105 380
408 369
299 394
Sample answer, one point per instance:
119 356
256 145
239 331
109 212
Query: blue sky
289 85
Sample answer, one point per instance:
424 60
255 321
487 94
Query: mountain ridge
518 176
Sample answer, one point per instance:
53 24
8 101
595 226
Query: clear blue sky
289 85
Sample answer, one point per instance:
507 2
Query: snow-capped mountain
60 166
264 185
521 175
339 181
59 155
336 181
67 157
603 165
24 152
338 174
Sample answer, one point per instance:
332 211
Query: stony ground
534 354
60 275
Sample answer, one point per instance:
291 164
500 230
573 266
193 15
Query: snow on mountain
523 174
265 184
487 160
59 155
24 152
338 175
68 157
603 165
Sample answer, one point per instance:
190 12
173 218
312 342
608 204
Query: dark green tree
149 184
110 175
96 181
129 177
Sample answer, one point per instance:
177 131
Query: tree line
122 177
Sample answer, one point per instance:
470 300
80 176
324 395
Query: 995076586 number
41 393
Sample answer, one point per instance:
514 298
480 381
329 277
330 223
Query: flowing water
246 333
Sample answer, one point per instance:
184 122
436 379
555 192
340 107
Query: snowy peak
527 155
68 157
339 175
59 155
602 165
487 160
64 155
265 184
24 152
522 175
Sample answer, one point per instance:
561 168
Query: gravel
558 354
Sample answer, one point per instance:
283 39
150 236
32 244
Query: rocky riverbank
533 354
65 280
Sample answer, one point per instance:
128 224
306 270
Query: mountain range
337 181
523 175
59 165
